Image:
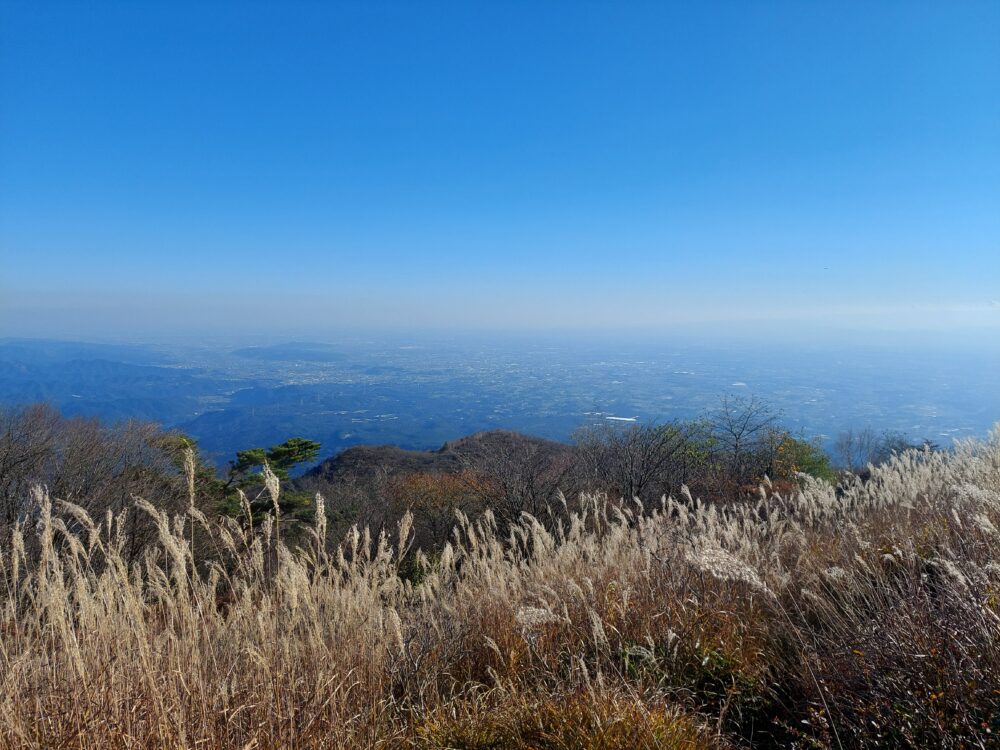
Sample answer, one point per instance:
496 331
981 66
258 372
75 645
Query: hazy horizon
802 171
932 341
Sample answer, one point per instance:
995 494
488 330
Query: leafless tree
28 438
854 450
629 461
517 474
98 467
739 426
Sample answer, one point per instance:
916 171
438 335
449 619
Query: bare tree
516 474
97 467
740 426
630 460
28 438
854 450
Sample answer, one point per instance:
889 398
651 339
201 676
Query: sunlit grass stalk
826 617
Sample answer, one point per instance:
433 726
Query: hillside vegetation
813 615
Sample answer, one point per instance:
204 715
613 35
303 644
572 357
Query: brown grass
864 617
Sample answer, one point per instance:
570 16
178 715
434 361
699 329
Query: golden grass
867 616
581 721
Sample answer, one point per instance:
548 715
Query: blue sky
297 165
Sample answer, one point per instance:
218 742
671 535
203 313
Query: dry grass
867 616
561 722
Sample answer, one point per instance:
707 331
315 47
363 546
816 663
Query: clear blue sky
492 165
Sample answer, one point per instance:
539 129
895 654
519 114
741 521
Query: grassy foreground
865 616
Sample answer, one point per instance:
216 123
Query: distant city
418 392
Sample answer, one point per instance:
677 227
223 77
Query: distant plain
420 391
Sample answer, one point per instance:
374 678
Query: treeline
101 468
724 455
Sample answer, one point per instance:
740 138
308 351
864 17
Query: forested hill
450 458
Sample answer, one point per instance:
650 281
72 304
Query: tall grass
865 615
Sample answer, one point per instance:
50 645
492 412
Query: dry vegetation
864 615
